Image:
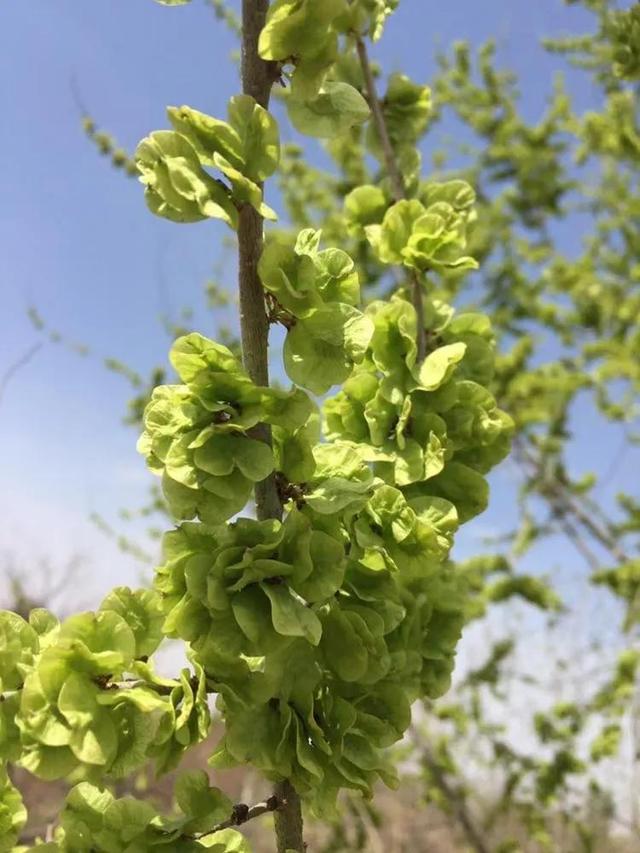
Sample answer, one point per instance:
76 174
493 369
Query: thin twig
456 800
21 362
242 813
395 177
574 537
562 500
132 683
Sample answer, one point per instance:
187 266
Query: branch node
240 813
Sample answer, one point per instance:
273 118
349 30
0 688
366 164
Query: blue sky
78 243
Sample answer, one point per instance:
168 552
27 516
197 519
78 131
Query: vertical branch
395 177
257 78
257 75
288 819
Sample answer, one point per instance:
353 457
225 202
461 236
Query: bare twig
564 501
17 365
456 800
242 813
395 176
574 537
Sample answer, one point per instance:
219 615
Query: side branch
242 813
564 502
395 177
457 802
393 170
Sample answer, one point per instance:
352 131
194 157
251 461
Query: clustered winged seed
316 632
319 632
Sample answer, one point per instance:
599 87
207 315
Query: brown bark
258 77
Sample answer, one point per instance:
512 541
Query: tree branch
104 683
14 368
242 813
457 802
258 77
563 501
288 819
395 177
574 537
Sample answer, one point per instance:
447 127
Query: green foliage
93 818
318 290
533 590
624 581
245 150
13 814
419 422
336 108
248 143
422 237
304 34
614 52
197 434
177 187
371 13
406 108
318 631
73 703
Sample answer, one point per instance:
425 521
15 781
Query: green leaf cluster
319 291
304 34
248 588
84 696
201 436
425 236
626 38
94 819
319 631
13 814
429 428
172 164
406 108
368 16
